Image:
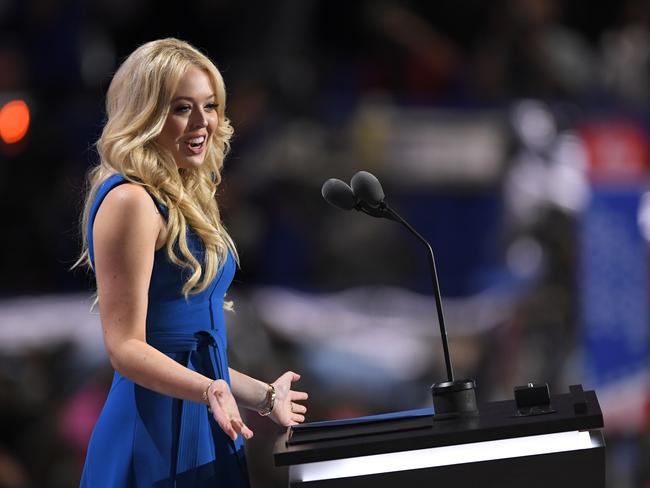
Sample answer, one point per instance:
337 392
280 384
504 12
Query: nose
198 119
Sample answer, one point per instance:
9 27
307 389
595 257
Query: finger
299 395
232 433
291 376
297 408
246 432
227 428
298 418
241 427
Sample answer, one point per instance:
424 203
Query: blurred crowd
513 134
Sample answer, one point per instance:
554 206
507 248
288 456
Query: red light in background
14 121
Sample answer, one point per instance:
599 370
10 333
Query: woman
163 262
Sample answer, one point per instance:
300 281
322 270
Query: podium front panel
574 468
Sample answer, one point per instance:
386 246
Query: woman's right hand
225 411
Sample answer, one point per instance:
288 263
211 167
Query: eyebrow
212 95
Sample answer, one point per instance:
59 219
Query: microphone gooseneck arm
384 211
451 399
367 196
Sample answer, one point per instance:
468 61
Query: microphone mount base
453 399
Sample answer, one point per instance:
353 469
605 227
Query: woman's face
192 119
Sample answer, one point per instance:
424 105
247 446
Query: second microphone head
338 194
366 187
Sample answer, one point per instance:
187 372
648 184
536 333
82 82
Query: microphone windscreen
366 187
338 194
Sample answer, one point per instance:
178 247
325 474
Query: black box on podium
502 446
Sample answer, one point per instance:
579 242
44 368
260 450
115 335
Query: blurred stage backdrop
513 134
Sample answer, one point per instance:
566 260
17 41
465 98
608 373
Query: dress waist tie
187 414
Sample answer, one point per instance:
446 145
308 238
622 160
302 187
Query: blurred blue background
513 134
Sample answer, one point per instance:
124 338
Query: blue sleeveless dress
143 438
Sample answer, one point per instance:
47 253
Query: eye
181 109
212 106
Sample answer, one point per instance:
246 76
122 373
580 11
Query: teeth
197 140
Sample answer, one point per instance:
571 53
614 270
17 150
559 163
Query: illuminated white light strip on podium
444 456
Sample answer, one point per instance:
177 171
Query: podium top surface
417 429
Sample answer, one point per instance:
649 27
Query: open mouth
196 144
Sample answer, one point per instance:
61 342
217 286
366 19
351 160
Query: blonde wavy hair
137 104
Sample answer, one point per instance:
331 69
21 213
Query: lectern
531 441
503 445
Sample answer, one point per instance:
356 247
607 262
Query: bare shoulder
128 208
129 197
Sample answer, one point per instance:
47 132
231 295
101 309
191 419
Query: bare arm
249 392
125 234
252 394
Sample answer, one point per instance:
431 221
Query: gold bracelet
270 402
205 393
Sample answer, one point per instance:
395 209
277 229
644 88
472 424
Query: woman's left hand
286 410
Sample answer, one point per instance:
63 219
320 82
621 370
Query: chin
190 163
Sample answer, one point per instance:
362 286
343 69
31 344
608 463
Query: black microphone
366 187
370 194
338 194
450 398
